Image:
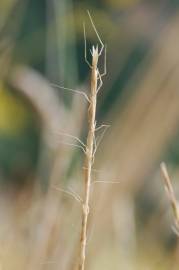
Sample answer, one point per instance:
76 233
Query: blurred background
41 162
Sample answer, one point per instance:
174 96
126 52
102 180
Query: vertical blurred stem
65 42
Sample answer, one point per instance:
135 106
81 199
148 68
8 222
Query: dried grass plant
91 144
54 233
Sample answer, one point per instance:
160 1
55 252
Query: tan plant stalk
96 83
171 196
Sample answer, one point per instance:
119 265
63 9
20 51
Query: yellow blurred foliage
13 114
6 6
122 3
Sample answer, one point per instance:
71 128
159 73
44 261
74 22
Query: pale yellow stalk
96 83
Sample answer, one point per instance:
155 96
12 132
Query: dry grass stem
96 83
171 196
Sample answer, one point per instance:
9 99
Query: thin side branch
73 137
94 27
171 195
102 126
71 90
105 182
98 141
105 63
73 144
70 193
